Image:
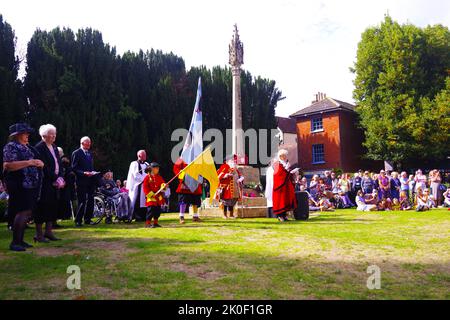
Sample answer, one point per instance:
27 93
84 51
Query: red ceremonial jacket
153 184
182 188
226 183
283 190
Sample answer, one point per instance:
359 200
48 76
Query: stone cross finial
236 50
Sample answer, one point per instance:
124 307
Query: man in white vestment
136 175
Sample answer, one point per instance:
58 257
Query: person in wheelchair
109 189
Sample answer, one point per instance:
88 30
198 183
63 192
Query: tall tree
12 100
131 101
401 73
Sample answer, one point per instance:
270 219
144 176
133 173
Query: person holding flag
190 189
153 185
186 197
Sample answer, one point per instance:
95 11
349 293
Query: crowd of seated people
369 191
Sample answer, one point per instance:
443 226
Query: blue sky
306 46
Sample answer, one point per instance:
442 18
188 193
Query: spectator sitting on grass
361 203
385 204
325 204
447 198
424 201
313 204
395 205
371 198
404 201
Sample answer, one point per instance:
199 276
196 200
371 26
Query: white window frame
314 157
312 124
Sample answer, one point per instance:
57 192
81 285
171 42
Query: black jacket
48 191
80 164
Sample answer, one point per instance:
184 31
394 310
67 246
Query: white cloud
306 46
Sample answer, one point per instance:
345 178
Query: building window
316 125
318 154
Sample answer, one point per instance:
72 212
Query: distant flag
193 146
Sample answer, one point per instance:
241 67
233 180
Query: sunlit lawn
323 258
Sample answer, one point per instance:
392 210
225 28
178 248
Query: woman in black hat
23 181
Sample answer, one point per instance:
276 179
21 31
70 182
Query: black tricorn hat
19 128
154 165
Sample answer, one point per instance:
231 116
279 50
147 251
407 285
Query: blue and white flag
193 145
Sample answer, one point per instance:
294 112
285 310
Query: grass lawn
323 258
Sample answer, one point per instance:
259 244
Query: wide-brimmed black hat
19 128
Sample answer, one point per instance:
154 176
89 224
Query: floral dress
14 151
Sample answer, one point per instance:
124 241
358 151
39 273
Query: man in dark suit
83 166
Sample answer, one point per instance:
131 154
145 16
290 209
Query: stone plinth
247 208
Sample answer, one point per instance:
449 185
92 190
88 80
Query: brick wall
330 138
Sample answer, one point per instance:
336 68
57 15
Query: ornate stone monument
236 51
253 205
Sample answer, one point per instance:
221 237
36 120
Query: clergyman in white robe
136 175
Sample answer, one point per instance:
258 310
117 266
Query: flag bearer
186 197
152 184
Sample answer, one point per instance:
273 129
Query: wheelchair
105 207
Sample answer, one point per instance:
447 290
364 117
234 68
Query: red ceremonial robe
228 184
283 190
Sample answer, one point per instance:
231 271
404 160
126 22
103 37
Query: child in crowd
152 184
404 201
385 204
372 198
396 205
325 204
361 203
447 198
424 201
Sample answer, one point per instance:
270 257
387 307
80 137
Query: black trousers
85 195
153 212
139 213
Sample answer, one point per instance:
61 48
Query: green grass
323 258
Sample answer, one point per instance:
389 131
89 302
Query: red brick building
328 137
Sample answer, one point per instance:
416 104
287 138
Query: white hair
282 152
84 139
60 151
45 129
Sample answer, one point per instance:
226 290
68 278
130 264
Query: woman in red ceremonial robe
283 187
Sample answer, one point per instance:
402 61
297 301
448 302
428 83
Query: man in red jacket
230 186
283 187
186 197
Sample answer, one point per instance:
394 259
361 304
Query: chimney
319 96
